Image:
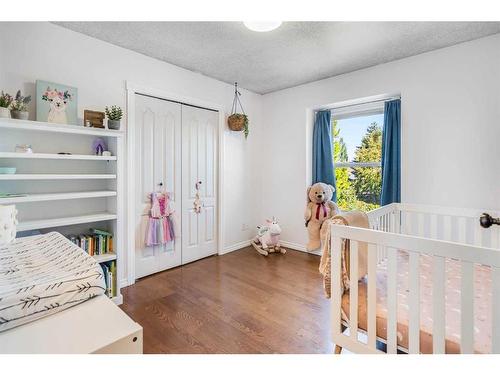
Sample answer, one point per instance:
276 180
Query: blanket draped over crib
352 218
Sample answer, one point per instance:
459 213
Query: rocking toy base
269 249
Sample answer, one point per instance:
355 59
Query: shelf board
57 196
23 155
104 257
48 176
58 128
64 221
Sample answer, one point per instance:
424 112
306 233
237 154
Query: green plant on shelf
20 102
114 113
5 100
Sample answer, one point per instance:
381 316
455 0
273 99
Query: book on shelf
109 271
98 242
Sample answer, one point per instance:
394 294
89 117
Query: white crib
444 238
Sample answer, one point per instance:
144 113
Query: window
357 149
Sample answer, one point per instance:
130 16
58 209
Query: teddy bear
320 207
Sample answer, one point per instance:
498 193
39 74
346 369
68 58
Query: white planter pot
4 112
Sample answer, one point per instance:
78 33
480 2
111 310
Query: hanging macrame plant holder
238 121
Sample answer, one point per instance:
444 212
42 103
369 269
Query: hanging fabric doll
160 226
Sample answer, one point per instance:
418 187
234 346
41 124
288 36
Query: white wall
450 129
450 109
31 51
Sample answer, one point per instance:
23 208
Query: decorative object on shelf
99 146
95 118
8 170
268 238
8 222
238 121
197 202
56 103
24 149
160 225
106 153
5 102
19 106
114 115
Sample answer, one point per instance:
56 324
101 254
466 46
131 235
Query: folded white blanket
41 275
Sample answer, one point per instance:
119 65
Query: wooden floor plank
240 302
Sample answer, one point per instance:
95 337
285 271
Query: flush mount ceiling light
262 26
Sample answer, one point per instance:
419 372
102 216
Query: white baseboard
236 246
123 283
299 247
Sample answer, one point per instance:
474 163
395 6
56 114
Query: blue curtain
323 168
391 153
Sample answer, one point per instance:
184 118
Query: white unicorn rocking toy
268 238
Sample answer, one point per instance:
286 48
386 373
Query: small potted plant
114 115
5 102
19 106
238 121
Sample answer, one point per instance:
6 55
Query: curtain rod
361 103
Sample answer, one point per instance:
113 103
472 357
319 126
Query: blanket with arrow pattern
41 275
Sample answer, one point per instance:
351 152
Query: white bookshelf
51 176
57 196
62 185
20 155
39 126
104 257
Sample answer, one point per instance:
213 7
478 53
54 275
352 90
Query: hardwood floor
240 302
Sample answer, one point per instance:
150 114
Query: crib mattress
482 304
44 274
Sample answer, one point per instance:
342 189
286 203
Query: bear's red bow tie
320 205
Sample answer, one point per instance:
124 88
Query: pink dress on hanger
160 226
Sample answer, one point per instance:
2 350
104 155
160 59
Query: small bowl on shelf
7 170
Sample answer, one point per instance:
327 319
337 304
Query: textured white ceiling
295 53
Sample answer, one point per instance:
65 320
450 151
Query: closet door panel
199 139
158 132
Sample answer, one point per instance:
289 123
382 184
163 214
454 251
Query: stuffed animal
268 238
319 208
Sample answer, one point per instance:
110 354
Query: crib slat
420 225
494 237
392 300
372 296
447 228
496 310
408 223
438 313
462 229
478 235
353 290
433 226
336 256
467 308
414 306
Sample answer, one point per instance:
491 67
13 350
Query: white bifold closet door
199 156
176 145
157 160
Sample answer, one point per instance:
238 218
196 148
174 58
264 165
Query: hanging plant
238 121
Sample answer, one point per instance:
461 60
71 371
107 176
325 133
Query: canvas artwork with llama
56 103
